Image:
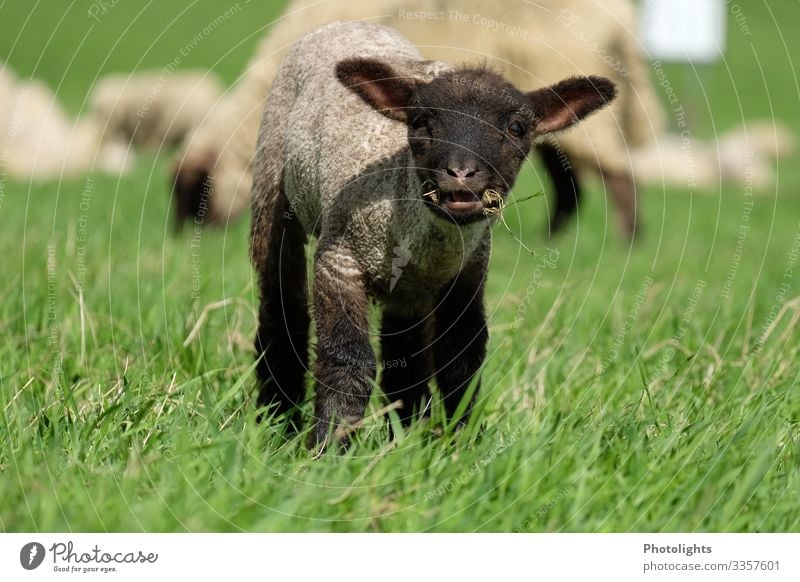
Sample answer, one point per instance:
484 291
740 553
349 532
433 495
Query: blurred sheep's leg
565 184
622 188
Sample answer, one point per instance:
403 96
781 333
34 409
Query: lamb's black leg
461 336
407 365
565 183
345 367
282 339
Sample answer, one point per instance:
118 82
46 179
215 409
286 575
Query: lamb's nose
462 172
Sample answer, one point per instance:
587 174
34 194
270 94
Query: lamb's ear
379 85
561 105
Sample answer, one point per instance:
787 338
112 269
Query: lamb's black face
469 130
469 133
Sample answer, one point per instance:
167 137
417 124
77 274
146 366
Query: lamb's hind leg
283 321
345 367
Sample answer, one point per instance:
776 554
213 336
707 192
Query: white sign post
684 30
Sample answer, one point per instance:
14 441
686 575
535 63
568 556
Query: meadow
645 387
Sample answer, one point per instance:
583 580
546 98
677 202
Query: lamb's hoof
324 436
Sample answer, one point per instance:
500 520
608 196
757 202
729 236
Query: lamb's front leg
461 336
346 366
405 343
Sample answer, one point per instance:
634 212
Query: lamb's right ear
564 104
379 85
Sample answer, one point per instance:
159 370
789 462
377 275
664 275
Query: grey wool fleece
348 174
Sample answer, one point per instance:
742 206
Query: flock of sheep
531 44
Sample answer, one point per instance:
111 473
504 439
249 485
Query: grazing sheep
152 110
380 154
533 44
40 141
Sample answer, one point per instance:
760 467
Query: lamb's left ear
379 85
561 105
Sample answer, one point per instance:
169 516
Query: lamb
532 43
369 148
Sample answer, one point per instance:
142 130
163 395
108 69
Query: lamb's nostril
461 173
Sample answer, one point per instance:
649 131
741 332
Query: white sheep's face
470 130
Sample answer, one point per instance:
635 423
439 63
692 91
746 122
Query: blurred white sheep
40 141
153 110
745 157
140 111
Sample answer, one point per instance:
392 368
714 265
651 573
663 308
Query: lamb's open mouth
463 203
460 201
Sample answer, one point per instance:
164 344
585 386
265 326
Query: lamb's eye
421 121
516 129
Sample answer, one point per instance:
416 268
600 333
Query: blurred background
127 342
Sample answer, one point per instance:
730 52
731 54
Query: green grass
650 388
